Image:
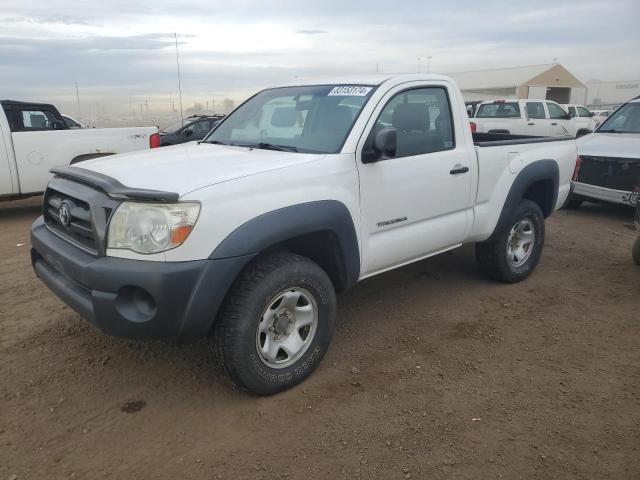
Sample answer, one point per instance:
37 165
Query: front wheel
276 323
513 254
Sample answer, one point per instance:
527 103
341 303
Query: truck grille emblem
64 215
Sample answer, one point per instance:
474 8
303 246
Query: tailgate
610 172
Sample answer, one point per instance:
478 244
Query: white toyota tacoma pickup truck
34 137
297 195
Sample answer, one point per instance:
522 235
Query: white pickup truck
608 168
526 117
34 138
298 194
582 117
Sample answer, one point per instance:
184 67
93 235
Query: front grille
71 218
610 172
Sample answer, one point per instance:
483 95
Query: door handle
458 170
530 123
554 124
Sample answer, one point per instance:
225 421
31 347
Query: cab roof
367 80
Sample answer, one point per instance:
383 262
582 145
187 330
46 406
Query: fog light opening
135 304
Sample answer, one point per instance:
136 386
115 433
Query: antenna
179 82
78 99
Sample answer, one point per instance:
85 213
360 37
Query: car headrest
38 121
410 117
342 118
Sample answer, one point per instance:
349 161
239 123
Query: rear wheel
573 202
513 254
276 323
636 251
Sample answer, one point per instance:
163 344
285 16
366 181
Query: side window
201 128
555 111
583 112
572 110
421 119
37 119
535 110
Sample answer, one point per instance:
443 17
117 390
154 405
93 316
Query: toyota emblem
64 215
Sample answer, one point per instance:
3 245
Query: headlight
151 227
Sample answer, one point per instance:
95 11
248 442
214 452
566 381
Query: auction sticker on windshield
349 91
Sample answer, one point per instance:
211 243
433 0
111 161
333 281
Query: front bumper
600 193
134 298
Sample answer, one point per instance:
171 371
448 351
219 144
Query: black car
192 128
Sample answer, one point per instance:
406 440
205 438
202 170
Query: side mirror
58 125
188 133
382 146
386 142
591 114
568 116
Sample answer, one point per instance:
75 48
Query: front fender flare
286 223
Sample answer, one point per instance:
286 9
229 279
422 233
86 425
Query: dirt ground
457 377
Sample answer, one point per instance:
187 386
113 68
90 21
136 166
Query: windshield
499 110
625 120
311 119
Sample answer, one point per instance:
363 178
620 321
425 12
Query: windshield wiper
611 130
271 146
217 142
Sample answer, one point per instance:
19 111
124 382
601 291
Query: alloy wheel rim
520 242
287 327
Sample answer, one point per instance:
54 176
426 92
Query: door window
198 129
37 119
583 112
422 121
535 110
555 111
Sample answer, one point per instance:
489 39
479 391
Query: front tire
514 252
276 323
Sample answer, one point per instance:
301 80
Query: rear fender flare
532 173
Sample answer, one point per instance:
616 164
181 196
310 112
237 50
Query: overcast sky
122 52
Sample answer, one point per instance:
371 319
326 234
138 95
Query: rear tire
514 252
276 323
635 252
573 203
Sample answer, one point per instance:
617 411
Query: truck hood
190 166
623 145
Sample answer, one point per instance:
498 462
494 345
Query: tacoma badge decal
391 222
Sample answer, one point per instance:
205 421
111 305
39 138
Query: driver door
418 201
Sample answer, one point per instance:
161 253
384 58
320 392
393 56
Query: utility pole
78 100
179 80
146 106
429 64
